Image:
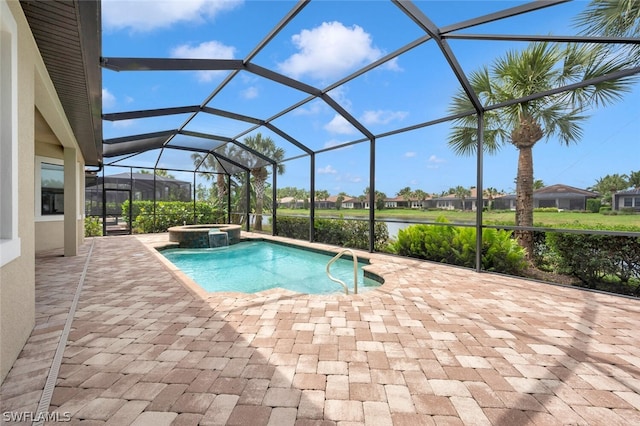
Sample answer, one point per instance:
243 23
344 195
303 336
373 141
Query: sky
324 43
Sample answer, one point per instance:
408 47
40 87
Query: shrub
293 227
92 226
340 232
457 246
593 205
605 209
594 259
546 209
168 214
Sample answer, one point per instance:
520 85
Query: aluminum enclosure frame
433 33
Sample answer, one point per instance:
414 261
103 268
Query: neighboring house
329 203
50 129
353 203
562 197
454 202
290 203
629 199
396 202
401 202
139 186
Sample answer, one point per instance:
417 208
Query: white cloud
250 92
148 15
329 51
382 116
340 126
312 108
205 50
123 124
410 154
331 143
108 99
328 170
393 65
434 162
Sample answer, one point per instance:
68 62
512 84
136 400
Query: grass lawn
546 219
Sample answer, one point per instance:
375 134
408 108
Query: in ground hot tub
197 236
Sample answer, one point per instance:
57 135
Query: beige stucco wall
17 278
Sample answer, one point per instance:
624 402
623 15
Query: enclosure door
117 222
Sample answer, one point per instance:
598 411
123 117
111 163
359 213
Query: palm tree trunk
259 187
524 199
222 190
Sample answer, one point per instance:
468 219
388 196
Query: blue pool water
254 266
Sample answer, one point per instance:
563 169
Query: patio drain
47 393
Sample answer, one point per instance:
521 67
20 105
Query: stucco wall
17 278
37 101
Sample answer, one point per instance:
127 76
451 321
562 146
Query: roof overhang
68 34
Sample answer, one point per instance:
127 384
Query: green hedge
597 260
457 246
168 214
594 205
346 233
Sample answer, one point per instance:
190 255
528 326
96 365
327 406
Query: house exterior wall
17 278
35 94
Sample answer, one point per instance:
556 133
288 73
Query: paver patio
434 345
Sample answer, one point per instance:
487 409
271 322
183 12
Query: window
52 184
627 202
9 241
49 189
637 202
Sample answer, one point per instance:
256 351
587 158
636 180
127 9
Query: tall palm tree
209 162
267 147
537 68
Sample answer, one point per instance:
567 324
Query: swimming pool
254 266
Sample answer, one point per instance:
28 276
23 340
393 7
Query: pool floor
254 266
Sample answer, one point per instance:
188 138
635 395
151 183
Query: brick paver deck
435 345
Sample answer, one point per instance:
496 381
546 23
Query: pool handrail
355 270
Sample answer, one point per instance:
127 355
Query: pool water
254 266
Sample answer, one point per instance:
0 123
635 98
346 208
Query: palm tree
608 185
322 195
490 193
420 195
209 162
537 68
267 147
462 193
615 18
634 179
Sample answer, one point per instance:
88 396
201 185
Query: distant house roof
635 191
556 191
563 191
473 194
